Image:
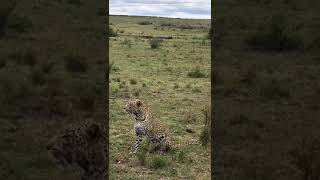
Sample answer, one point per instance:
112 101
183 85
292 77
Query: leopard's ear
139 103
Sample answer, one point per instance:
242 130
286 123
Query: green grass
159 76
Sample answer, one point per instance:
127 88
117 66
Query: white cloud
198 9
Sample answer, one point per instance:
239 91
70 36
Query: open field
174 80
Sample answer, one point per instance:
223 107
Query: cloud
196 9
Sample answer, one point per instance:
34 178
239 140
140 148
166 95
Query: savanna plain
166 63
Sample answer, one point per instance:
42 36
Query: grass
159 77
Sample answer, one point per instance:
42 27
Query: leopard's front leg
137 144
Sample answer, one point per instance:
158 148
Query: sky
194 9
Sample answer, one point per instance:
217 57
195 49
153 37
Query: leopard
147 125
83 146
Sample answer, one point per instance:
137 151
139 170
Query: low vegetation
155 69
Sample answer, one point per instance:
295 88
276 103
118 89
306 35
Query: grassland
266 90
174 80
52 74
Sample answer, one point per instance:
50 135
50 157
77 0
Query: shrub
6 8
275 35
155 43
144 23
113 68
76 63
159 162
196 73
205 135
111 32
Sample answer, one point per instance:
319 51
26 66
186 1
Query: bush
144 23
76 63
205 136
155 43
275 35
111 32
6 8
113 68
159 162
196 73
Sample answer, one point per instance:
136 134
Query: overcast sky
197 9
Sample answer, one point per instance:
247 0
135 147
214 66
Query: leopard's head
137 108
68 146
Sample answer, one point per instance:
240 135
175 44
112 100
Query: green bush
144 23
155 43
159 162
111 32
113 68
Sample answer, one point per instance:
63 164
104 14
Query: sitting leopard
146 125
83 146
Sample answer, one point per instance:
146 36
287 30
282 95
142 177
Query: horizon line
160 16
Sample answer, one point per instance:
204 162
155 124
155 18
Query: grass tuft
155 43
197 73
159 162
